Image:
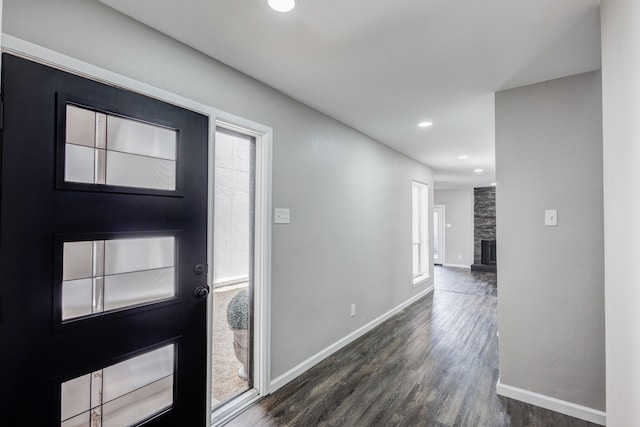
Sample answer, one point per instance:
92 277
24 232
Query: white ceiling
382 66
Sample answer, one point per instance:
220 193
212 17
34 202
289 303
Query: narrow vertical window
233 265
420 205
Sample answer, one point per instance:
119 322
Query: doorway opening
438 234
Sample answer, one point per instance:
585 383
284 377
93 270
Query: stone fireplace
484 222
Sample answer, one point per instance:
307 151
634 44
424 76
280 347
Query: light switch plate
281 216
550 217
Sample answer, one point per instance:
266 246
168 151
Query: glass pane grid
120 394
104 275
109 150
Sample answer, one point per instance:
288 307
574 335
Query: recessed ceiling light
282 5
493 184
424 124
463 157
479 170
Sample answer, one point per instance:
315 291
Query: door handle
201 291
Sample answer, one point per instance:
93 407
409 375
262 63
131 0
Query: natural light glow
493 184
479 170
463 157
425 124
282 5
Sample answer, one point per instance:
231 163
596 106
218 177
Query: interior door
103 237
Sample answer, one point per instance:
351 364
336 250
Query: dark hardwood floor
433 364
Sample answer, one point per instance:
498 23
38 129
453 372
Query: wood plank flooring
433 364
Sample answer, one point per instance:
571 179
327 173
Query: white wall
551 279
621 120
349 240
459 213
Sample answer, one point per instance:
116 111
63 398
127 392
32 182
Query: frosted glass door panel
77 298
133 137
131 170
120 394
138 404
104 275
126 255
79 163
105 149
132 374
76 398
81 126
78 260
123 290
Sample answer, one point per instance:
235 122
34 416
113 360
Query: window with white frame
420 205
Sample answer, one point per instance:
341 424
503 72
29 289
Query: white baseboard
298 370
553 404
457 265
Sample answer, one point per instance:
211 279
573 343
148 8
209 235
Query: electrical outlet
459 256
353 310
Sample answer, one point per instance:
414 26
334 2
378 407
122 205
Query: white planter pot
241 350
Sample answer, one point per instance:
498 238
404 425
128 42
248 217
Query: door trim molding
36 53
442 232
562 406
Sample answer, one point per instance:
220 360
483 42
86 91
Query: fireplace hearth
488 252
487 256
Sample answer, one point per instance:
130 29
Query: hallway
433 364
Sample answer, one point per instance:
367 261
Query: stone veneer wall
484 218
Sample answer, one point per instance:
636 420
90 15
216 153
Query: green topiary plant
238 310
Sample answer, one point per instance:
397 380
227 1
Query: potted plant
238 320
